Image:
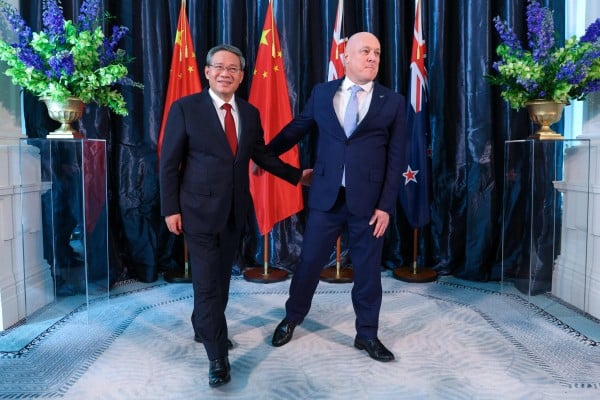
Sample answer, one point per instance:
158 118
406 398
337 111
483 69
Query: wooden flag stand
177 276
415 274
337 274
265 274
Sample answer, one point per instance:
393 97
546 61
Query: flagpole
337 274
418 191
184 38
269 94
181 60
413 273
265 274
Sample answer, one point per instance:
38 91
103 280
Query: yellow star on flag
263 38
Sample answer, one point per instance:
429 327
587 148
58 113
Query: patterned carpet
451 340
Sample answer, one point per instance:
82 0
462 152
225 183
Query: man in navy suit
209 140
355 182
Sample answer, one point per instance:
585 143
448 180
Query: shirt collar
219 101
347 84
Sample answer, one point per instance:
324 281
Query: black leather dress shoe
375 348
229 342
283 333
218 372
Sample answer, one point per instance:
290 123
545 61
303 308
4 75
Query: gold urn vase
545 113
65 112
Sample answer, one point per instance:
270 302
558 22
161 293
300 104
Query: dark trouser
210 258
320 235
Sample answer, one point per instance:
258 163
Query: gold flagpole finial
273 53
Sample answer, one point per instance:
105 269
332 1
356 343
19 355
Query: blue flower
544 70
509 37
61 65
109 50
53 21
540 31
592 33
570 73
29 57
19 26
88 14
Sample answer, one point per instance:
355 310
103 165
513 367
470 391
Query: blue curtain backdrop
469 122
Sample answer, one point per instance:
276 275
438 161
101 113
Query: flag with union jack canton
414 191
338 45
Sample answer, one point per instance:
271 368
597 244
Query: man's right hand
174 224
256 170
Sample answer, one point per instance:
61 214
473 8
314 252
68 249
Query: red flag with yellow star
274 199
184 78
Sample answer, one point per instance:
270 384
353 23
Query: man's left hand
381 219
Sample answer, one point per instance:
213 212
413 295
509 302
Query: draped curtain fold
469 122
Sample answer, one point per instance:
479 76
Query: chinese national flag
338 45
184 78
274 198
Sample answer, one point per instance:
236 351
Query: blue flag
414 191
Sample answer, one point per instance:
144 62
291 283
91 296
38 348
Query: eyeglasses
222 68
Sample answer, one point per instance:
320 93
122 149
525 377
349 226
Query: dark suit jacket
211 181
372 155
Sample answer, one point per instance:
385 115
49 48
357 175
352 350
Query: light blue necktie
351 119
351 115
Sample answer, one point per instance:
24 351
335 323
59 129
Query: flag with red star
274 199
414 191
184 78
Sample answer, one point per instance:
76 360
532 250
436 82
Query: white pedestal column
24 286
576 275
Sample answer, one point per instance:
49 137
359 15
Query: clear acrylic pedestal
534 218
63 191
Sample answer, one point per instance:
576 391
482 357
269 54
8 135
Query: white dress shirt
218 103
340 102
342 97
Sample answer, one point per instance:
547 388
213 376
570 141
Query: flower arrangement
545 71
67 59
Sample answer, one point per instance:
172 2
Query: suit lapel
213 123
376 105
244 137
377 101
332 88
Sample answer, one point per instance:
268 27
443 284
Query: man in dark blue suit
209 140
355 182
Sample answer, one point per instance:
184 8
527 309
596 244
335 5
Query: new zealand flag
414 192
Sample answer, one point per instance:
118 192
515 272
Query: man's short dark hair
225 47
